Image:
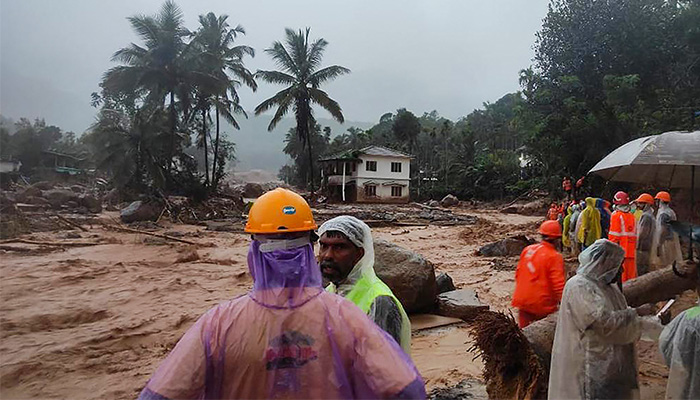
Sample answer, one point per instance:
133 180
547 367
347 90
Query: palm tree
299 61
218 57
158 69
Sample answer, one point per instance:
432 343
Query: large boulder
449 201
535 207
112 197
31 191
462 303
510 246
60 197
140 211
410 276
92 203
252 190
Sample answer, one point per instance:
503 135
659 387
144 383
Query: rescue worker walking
666 246
680 346
623 232
593 355
645 232
589 231
346 255
539 277
288 338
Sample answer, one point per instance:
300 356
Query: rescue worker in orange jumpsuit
623 231
539 277
553 212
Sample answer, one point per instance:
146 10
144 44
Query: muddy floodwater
86 322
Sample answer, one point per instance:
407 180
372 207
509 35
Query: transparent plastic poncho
680 347
287 338
645 237
362 284
666 246
593 356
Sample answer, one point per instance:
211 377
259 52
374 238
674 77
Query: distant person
680 346
623 232
346 257
539 277
553 212
645 232
593 355
603 207
572 228
666 246
567 187
589 230
287 338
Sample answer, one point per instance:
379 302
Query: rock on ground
510 246
449 201
43 185
93 204
140 211
433 203
444 283
252 190
536 207
410 276
462 303
29 192
59 197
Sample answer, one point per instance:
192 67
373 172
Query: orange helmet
280 211
663 196
550 228
645 198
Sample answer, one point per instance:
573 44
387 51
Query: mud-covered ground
95 321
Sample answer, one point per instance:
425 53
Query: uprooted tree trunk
517 361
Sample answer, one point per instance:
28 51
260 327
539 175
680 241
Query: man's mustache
329 264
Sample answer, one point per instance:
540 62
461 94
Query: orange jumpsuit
623 231
539 282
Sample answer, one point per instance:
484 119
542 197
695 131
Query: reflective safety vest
623 231
368 288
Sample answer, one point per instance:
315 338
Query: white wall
383 192
384 168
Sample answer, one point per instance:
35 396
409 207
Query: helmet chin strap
271 245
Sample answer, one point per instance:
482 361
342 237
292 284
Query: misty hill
256 148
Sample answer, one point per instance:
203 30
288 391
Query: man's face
337 256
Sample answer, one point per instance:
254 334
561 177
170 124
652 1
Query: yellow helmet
280 211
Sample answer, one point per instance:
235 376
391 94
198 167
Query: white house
374 174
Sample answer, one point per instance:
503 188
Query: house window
371 166
370 190
396 191
396 167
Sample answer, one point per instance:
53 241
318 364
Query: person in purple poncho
288 337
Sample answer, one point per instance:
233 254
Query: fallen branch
71 223
43 243
125 229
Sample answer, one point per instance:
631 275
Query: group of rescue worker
593 355
323 325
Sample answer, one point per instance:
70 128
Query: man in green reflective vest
346 258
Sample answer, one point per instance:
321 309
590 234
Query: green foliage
299 60
297 174
159 100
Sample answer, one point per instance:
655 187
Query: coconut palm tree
157 69
218 57
299 60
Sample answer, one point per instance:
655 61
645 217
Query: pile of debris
36 208
376 215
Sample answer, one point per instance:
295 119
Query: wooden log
45 243
125 229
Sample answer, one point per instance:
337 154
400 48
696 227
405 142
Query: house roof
383 151
353 155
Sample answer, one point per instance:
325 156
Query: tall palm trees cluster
169 93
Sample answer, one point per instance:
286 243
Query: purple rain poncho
288 338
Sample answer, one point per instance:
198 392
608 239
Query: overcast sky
448 55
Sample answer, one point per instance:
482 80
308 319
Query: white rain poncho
666 246
645 237
364 288
680 347
593 355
